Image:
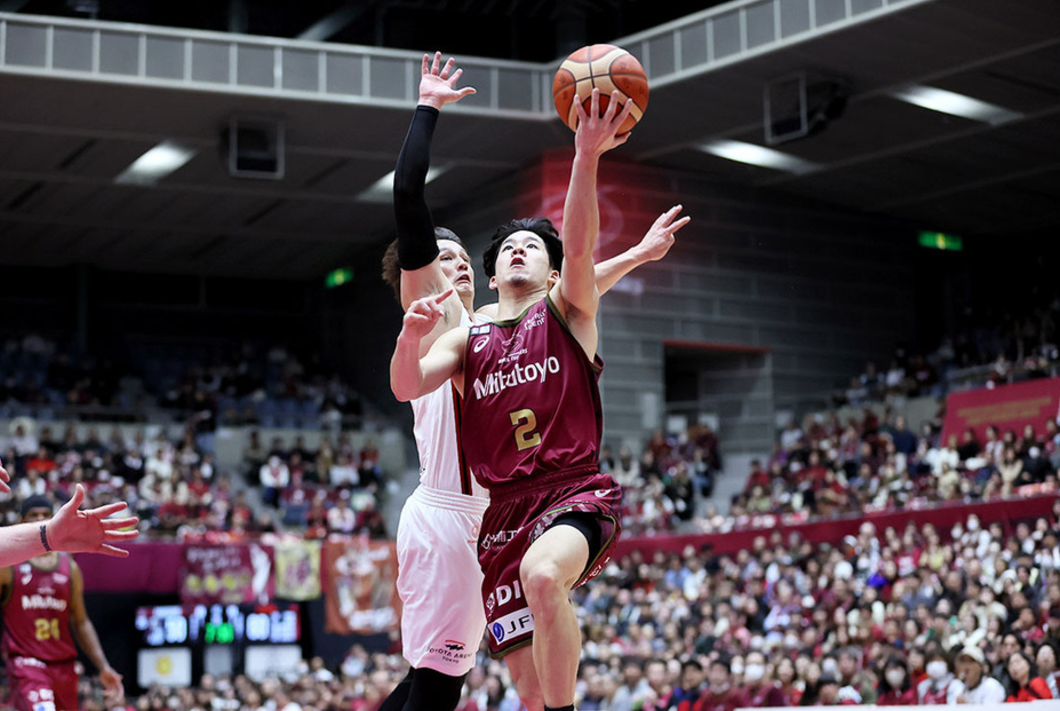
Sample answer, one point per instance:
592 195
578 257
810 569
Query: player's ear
493 283
553 278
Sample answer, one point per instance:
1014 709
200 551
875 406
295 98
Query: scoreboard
180 643
166 625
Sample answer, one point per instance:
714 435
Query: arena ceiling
62 142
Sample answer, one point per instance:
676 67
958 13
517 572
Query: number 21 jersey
37 615
531 404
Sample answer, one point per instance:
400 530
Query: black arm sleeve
417 246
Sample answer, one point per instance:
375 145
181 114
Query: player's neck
469 304
45 561
512 302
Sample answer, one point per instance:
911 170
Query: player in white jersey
439 578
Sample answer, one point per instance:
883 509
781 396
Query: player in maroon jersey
71 530
44 612
531 424
440 575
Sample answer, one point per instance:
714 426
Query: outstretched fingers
107 510
112 551
666 220
447 68
117 525
673 228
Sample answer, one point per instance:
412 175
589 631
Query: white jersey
439 577
435 430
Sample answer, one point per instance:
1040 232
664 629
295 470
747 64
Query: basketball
602 66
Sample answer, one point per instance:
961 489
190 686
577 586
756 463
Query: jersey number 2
46 628
525 437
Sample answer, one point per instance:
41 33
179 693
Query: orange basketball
604 66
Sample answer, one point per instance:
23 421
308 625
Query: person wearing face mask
757 689
895 688
934 689
972 686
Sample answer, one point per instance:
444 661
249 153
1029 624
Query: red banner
1027 504
225 574
361 586
1006 407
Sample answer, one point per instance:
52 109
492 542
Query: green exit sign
338 277
939 240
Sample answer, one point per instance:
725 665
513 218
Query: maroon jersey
37 616
531 403
728 699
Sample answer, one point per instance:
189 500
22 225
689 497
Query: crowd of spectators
824 624
664 484
336 488
253 384
177 491
828 468
990 350
892 617
173 486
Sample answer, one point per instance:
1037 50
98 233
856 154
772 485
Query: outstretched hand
438 82
658 240
423 314
596 133
90 531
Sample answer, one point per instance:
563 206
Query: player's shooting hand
598 133
423 314
4 479
438 82
658 240
89 531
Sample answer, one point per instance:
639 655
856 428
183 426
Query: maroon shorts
41 686
518 514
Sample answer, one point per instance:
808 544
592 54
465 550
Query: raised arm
413 375
653 247
595 136
418 255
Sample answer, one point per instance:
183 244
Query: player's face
523 259
456 265
34 515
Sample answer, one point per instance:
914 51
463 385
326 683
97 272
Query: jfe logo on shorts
513 624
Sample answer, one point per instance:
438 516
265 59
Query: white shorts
440 581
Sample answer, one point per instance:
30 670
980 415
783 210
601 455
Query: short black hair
540 226
37 501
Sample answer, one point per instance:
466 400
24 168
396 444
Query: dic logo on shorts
513 624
